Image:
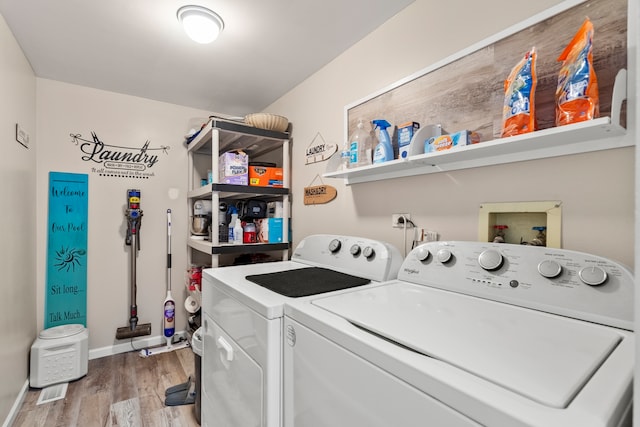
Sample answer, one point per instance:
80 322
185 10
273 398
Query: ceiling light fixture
201 24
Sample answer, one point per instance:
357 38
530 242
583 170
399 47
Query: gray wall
596 189
17 227
120 121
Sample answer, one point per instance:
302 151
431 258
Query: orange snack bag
518 111
577 96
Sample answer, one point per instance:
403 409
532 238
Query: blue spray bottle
384 149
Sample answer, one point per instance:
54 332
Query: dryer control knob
549 268
593 275
334 246
368 252
355 250
422 253
444 255
490 259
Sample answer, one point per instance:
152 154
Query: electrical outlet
397 220
430 236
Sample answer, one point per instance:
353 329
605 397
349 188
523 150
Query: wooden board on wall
468 93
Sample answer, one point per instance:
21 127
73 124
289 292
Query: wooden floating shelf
583 137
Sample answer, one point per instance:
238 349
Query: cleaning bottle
345 156
234 218
384 149
360 147
237 232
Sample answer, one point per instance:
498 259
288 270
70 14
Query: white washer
243 321
469 334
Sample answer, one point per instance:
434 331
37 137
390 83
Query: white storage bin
59 354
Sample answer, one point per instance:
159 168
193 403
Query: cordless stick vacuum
134 220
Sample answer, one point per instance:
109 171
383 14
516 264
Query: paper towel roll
191 304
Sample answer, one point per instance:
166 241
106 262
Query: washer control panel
358 256
558 281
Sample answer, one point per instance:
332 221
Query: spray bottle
384 149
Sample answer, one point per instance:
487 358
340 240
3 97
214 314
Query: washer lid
544 357
61 331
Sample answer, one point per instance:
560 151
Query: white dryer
469 334
243 310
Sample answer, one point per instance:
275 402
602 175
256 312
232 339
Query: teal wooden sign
66 280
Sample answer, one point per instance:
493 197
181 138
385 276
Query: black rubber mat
306 281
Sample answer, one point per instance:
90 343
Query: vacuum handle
134 216
169 249
133 319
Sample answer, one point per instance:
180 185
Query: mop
134 220
184 393
169 308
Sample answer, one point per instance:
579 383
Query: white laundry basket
59 354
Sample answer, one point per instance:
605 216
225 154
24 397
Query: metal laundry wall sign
66 280
319 150
118 161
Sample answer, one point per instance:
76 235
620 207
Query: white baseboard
135 344
13 413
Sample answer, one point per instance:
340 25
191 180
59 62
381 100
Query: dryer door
232 382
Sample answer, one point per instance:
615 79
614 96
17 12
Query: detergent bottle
384 149
360 147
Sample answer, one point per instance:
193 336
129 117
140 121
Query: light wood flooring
120 390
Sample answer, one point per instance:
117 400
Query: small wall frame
521 217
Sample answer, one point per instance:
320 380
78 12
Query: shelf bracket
619 95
